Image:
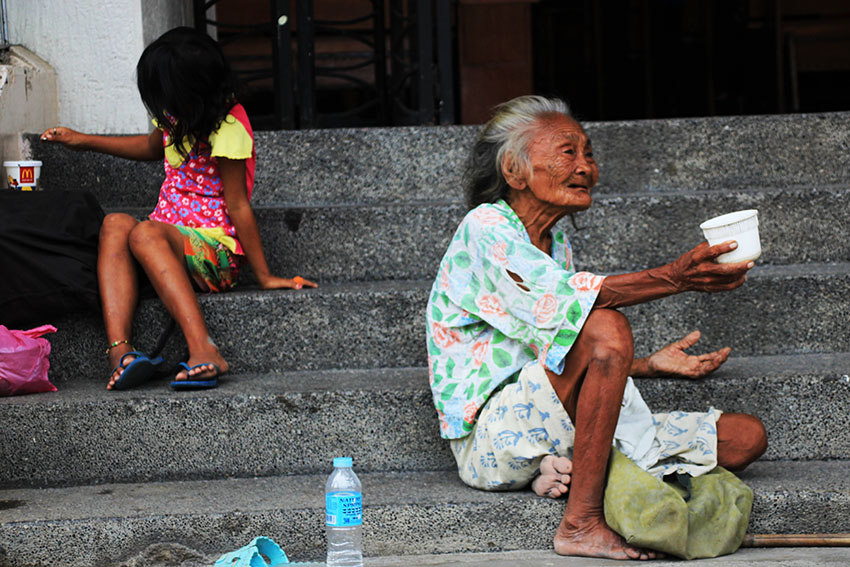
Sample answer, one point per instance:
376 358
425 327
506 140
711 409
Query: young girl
202 227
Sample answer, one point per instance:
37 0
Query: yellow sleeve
232 140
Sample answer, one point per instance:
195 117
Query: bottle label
343 509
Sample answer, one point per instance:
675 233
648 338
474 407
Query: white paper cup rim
22 164
729 218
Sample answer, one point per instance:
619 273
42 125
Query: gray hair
508 132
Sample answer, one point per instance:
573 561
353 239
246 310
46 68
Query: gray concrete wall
28 101
94 45
159 16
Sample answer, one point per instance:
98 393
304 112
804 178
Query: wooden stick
796 540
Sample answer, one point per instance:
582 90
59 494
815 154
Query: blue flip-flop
139 371
189 384
255 554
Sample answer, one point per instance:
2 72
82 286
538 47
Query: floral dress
192 194
498 303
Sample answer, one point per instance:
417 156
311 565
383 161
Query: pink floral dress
192 194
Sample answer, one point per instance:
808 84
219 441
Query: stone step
775 557
781 310
176 555
339 370
294 423
377 165
619 233
404 514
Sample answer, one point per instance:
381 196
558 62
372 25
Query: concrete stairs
90 477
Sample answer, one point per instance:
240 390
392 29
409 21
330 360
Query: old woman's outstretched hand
672 360
696 269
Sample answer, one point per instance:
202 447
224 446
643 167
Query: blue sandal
142 369
189 384
255 554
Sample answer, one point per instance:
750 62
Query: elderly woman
530 361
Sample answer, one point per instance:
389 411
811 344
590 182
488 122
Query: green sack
706 519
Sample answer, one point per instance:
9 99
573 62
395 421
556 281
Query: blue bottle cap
340 462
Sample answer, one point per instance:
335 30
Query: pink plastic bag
23 361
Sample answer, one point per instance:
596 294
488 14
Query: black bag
48 254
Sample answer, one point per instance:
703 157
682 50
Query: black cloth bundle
48 255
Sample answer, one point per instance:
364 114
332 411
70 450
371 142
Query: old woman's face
563 170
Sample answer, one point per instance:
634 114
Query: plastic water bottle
343 515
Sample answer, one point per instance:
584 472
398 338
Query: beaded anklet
116 343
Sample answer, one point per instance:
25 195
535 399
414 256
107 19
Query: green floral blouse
484 326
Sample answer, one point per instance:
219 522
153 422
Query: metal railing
392 64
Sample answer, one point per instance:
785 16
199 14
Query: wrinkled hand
672 360
65 136
274 282
696 269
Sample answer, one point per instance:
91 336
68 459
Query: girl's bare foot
554 478
115 354
595 539
206 368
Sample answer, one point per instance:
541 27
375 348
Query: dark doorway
628 59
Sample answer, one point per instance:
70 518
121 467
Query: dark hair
186 83
509 131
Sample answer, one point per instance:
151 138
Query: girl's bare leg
158 247
117 275
591 389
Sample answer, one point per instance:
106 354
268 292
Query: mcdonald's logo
27 175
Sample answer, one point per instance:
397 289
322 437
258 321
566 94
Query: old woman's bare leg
591 388
741 440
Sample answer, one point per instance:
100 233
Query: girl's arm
144 147
236 196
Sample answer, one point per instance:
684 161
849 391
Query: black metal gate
390 65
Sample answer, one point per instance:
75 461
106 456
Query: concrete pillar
93 45
28 101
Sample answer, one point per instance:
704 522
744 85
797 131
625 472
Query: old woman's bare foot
554 478
595 539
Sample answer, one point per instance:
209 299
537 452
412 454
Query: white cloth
524 421
666 443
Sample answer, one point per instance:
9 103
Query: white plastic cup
23 175
740 226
